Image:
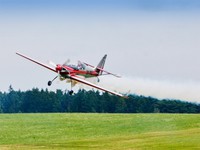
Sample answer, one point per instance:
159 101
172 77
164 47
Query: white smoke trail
188 91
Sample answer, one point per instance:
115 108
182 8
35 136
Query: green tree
36 100
12 102
31 102
120 105
2 96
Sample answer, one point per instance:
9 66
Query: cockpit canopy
73 66
80 66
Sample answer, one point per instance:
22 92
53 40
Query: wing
73 77
37 62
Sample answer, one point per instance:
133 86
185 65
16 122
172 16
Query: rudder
100 66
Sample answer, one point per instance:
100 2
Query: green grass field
99 131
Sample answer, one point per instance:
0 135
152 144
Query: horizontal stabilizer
107 73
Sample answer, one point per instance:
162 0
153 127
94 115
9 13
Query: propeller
67 62
59 69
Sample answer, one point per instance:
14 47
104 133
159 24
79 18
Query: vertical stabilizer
99 68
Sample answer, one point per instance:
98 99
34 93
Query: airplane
77 73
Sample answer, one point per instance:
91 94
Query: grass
99 131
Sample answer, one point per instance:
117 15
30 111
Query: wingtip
125 97
18 53
118 76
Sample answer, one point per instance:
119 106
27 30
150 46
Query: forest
44 101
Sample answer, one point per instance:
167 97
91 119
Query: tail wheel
71 92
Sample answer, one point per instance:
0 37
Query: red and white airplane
77 73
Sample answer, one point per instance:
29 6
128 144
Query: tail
99 68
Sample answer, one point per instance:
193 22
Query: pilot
81 66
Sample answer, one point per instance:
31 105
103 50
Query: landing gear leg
50 82
71 91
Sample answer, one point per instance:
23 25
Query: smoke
161 89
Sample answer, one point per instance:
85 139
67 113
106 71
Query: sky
153 44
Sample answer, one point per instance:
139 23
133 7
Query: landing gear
71 91
50 82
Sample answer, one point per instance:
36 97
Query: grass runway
99 131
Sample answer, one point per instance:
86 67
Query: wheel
49 83
71 92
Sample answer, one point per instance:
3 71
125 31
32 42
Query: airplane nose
58 68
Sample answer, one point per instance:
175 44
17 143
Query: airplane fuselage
73 70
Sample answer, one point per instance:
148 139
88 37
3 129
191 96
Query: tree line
39 101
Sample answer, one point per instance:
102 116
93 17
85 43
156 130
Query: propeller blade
52 63
67 62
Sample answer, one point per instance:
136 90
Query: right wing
76 78
37 62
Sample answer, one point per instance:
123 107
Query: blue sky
102 3
99 5
154 44
31 9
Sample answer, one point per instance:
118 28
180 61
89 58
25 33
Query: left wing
37 62
73 77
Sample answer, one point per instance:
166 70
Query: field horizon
99 131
